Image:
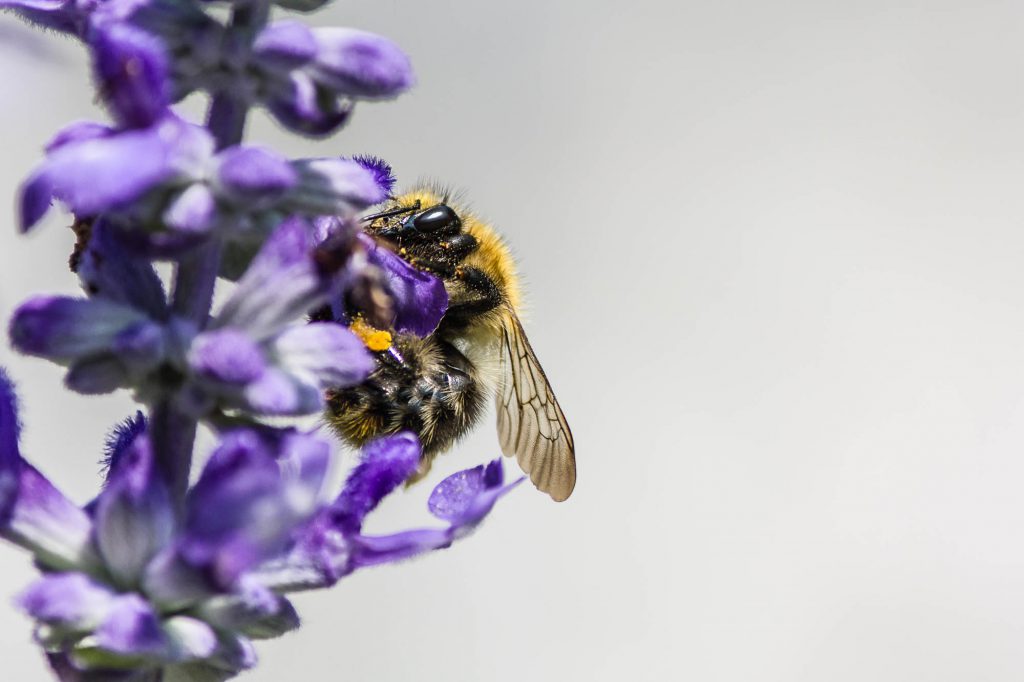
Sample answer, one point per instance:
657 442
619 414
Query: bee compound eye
436 218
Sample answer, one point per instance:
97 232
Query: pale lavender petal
281 284
131 628
335 186
134 516
285 44
95 175
132 68
140 346
78 132
97 375
190 638
277 393
381 169
384 549
384 465
228 356
50 526
193 211
328 353
69 600
255 612
62 329
254 177
361 64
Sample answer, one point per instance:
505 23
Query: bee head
436 221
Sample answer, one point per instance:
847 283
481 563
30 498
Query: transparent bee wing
531 426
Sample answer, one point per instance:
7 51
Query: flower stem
173 431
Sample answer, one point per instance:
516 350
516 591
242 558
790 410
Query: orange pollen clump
375 339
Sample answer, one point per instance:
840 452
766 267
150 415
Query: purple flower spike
361 64
418 298
133 72
386 464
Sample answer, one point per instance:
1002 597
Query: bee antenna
389 214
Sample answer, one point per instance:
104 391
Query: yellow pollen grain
375 339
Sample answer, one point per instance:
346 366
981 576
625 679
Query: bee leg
488 296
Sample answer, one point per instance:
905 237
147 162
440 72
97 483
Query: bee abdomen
435 395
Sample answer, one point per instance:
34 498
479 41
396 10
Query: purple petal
253 175
69 600
50 526
131 628
108 269
307 108
281 284
361 64
255 612
466 497
246 506
79 131
35 199
228 356
381 170
102 174
374 550
277 393
10 455
62 329
120 440
328 354
419 299
97 375
133 72
192 212
141 346
285 44
134 516
335 186
386 463
66 16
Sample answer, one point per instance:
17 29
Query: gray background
773 253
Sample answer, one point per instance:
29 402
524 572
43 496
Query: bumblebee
438 386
